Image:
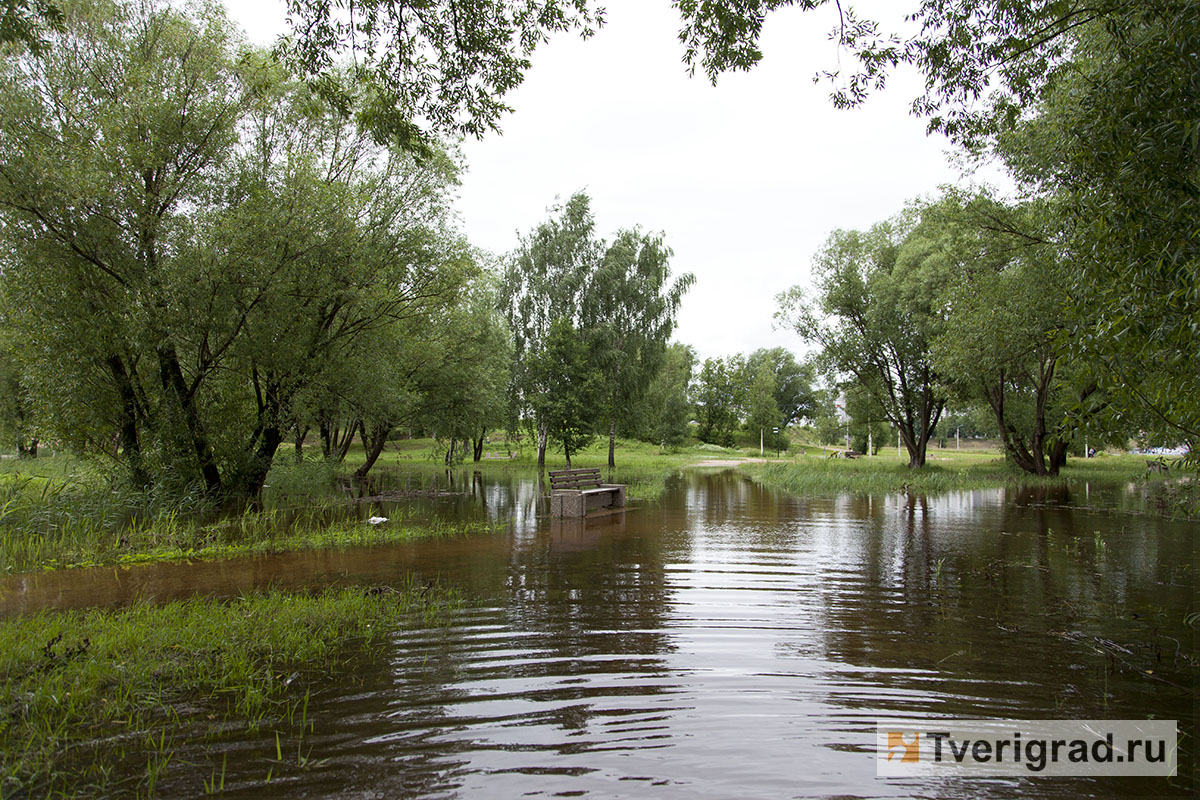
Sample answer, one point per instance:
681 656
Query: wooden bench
574 492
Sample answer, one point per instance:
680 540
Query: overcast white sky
745 179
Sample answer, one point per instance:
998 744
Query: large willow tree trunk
374 439
184 401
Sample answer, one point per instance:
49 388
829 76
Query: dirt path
733 462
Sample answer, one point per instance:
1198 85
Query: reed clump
84 690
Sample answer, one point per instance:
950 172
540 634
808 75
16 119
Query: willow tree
1005 340
1111 146
461 378
720 398
199 237
567 363
666 405
875 314
630 309
1093 105
431 66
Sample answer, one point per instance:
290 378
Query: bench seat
574 492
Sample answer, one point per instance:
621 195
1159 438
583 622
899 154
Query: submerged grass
55 514
814 476
86 690
58 512
172 537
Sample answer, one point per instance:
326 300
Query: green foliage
970 421
828 424
792 382
198 239
569 408
57 513
1003 343
720 398
983 61
27 23
545 281
630 311
464 386
868 427
618 297
762 412
445 64
1113 144
667 405
18 425
821 476
1093 107
875 314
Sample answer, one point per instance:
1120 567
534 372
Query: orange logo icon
910 752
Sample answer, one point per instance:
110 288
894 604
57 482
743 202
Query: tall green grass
72 517
642 466
56 514
84 690
173 536
816 476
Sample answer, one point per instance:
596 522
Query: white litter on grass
377 520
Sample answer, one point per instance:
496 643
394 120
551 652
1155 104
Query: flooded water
726 642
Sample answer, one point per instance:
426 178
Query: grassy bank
55 514
59 512
171 538
641 466
91 696
815 475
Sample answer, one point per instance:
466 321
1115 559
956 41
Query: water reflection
726 642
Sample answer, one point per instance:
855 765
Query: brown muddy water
725 642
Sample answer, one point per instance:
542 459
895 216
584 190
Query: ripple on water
731 643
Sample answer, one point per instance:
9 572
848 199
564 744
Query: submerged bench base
577 502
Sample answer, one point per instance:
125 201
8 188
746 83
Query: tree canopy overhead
983 60
27 22
432 66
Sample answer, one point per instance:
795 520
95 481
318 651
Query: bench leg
573 505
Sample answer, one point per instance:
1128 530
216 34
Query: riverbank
43 541
641 466
58 513
949 471
94 694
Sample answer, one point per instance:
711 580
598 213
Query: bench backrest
575 478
